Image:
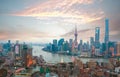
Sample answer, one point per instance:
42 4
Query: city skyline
45 20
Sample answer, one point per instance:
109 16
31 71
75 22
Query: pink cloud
24 35
64 9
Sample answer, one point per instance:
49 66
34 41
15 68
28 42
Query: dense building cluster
16 51
14 57
90 48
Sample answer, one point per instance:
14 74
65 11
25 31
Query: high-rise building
118 48
85 47
91 41
106 35
66 46
88 45
60 43
55 42
9 45
17 48
54 45
103 48
97 37
9 41
29 56
80 46
70 42
26 54
81 42
92 46
106 30
1 47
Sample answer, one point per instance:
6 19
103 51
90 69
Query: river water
55 58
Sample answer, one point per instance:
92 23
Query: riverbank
78 68
78 55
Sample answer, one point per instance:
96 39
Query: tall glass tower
97 37
107 35
106 30
92 41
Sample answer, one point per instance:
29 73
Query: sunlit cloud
69 10
114 33
24 35
44 20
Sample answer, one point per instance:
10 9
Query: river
54 58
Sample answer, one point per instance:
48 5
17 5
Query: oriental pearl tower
75 44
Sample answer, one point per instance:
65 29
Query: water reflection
53 58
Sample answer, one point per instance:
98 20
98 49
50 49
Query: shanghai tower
106 30
107 36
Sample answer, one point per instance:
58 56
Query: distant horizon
44 20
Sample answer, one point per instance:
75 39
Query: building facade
106 35
118 48
97 37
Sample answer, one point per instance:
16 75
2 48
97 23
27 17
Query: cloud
69 10
24 34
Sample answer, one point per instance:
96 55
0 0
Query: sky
45 20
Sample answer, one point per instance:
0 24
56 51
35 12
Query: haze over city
44 20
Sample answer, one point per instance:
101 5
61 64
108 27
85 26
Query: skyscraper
1 48
97 37
60 43
70 42
106 30
9 45
81 42
118 48
80 46
106 35
17 48
55 42
54 45
92 41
